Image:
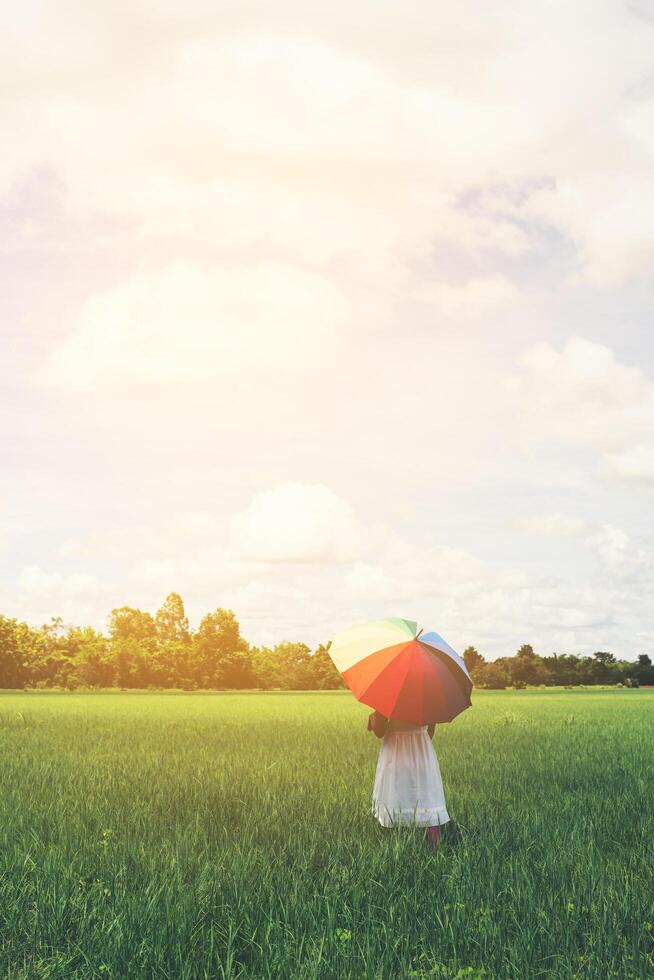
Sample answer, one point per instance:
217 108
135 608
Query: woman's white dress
408 786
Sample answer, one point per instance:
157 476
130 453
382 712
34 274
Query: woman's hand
377 724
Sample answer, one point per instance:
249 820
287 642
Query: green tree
528 668
324 675
12 666
644 671
55 659
174 646
134 648
133 624
295 665
221 655
171 621
287 666
491 676
90 656
526 651
264 666
565 668
31 645
472 659
603 668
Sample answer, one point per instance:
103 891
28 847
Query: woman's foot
434 837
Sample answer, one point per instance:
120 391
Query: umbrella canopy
401 671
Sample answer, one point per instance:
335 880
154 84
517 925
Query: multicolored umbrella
402 672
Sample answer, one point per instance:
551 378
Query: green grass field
229 835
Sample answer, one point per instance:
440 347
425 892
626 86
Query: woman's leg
433 837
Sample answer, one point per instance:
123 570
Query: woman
408 787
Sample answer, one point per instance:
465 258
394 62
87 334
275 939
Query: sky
325 312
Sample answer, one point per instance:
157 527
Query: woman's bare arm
377 724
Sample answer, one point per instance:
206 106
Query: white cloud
34 579
404 575
582 395
112 544
304 133
619 247
170 534
634 463
195 523
474 298
297 612
189 324
618 554
297 522
161 572
42 595
550 525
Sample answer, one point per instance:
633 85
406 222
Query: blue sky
331 315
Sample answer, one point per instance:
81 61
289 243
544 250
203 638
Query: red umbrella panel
402 672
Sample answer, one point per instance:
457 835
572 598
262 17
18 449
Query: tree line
560 669
161 651
140 650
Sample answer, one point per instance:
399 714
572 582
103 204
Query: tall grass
190 836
